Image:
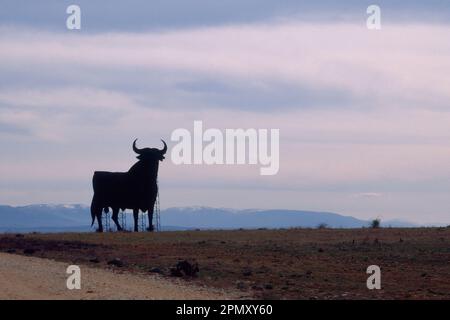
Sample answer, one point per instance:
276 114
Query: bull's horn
164 150
135 149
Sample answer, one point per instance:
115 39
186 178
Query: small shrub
375 223
322 226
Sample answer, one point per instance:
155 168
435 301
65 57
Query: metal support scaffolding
123 219
106 221
156 213
142 220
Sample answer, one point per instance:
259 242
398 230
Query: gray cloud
265 95
11 129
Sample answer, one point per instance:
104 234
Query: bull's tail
93 203
92 213
95 209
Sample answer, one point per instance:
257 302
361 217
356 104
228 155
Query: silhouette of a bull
136 189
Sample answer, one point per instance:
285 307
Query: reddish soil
269 264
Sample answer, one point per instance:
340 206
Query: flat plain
267 264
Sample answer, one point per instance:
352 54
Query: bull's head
150 153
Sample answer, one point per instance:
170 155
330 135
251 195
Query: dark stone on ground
29 251
185 268
156 270
247 273
257 288
241 285
116 262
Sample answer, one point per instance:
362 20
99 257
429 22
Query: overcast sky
363 115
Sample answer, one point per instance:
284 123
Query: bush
375 224
322 226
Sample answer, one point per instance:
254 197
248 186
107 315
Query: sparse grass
281 264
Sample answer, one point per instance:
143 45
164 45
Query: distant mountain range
77 218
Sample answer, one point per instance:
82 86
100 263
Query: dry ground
273 264
33 278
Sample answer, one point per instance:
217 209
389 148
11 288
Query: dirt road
23 277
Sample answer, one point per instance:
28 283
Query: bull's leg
136 217
115 218
150 218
